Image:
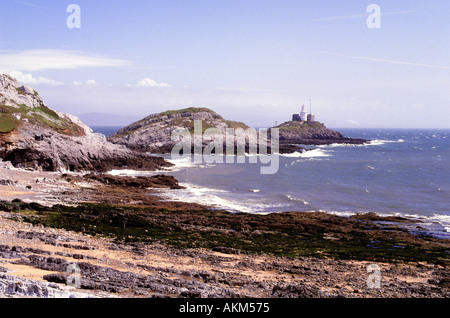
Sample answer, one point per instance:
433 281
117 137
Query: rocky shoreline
129 243
33 136
313 134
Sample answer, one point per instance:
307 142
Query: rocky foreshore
126 242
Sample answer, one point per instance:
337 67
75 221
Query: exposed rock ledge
56 152
16 287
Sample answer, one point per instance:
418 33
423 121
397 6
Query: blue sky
256 61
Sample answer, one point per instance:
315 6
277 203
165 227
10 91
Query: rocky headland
36 137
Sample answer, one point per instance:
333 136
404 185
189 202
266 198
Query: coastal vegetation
12 117
284 235
7 122
181 118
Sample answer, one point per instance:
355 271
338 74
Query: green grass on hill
187 110
300 126
7 123
41 115
184 121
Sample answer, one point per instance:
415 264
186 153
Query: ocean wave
182 163
205 196
443 219
379 142
376 142
294 199
308 154
218 199
436 224
336 145
133 173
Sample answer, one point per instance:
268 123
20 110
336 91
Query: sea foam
308 154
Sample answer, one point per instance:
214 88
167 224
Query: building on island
304 116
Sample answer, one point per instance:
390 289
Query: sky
256 61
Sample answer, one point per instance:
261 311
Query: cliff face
36 137
154 133
312 133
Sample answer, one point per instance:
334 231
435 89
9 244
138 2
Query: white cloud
36 60
30 79
148 82
88 82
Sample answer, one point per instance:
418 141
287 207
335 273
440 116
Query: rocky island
304 129
154 132
313 133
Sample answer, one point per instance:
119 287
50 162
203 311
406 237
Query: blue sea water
402 172
105 130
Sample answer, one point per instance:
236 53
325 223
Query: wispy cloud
45 59
30 4
353 122
401 62
359 16
380 60
148 82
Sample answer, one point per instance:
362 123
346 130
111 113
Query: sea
401 172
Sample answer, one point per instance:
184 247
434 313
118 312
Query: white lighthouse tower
303 114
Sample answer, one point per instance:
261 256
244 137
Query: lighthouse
303 114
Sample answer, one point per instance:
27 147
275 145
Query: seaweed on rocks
293 234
